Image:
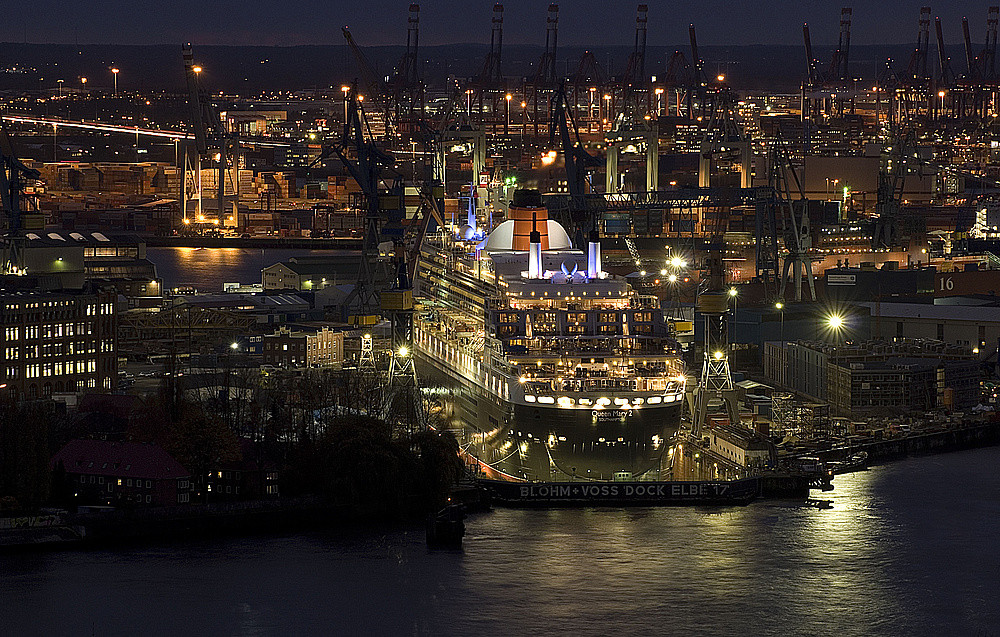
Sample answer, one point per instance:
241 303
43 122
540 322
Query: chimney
535 255
534 249
594 256
473 196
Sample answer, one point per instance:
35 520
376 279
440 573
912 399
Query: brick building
320 347
117 473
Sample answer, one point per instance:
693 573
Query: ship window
548 400
529 398
654 400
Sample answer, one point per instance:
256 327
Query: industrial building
921 373
902 383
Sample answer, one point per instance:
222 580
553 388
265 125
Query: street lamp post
506 126
781 334
346 89
114 73
60 83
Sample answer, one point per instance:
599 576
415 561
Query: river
909 548
207 269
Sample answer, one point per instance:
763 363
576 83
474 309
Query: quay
964 436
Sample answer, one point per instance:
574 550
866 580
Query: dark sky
380 22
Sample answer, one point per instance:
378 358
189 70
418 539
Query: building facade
321 347
122 473
57 342
898 373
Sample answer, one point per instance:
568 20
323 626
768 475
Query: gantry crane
210 134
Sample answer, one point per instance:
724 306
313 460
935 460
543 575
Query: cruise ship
544 366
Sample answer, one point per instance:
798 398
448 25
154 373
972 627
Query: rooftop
119 459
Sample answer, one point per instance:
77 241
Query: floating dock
622 494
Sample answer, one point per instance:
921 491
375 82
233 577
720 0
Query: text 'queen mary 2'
545 367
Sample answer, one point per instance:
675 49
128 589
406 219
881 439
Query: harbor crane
211 136
14 177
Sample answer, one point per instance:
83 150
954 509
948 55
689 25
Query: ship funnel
473 195
594 256
535 255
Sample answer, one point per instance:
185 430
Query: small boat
446 528
856 462
819 504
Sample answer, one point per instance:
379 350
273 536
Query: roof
502 237
974 313
78 238
119 459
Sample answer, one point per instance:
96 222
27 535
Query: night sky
383 22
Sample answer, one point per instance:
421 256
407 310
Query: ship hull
516 441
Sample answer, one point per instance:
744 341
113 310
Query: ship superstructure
545 366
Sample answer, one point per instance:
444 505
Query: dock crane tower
13 181
367 164
210 134
577 161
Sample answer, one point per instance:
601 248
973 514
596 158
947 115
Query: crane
13 177
373 88
209 131
366 163
577 160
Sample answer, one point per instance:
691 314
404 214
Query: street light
114 73
60 83
506 126
346 89
834 323
780 307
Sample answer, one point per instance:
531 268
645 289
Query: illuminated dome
502 237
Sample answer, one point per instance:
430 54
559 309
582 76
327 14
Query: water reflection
207 269
900 553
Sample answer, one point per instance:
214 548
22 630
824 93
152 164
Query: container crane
367 164
210 134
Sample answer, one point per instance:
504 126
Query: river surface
206 270
909 548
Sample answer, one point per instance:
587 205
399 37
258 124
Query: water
206 270
909 548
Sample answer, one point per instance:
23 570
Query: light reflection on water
909 549
206 270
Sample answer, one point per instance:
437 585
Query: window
148 499
128 482
940 331
149 484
